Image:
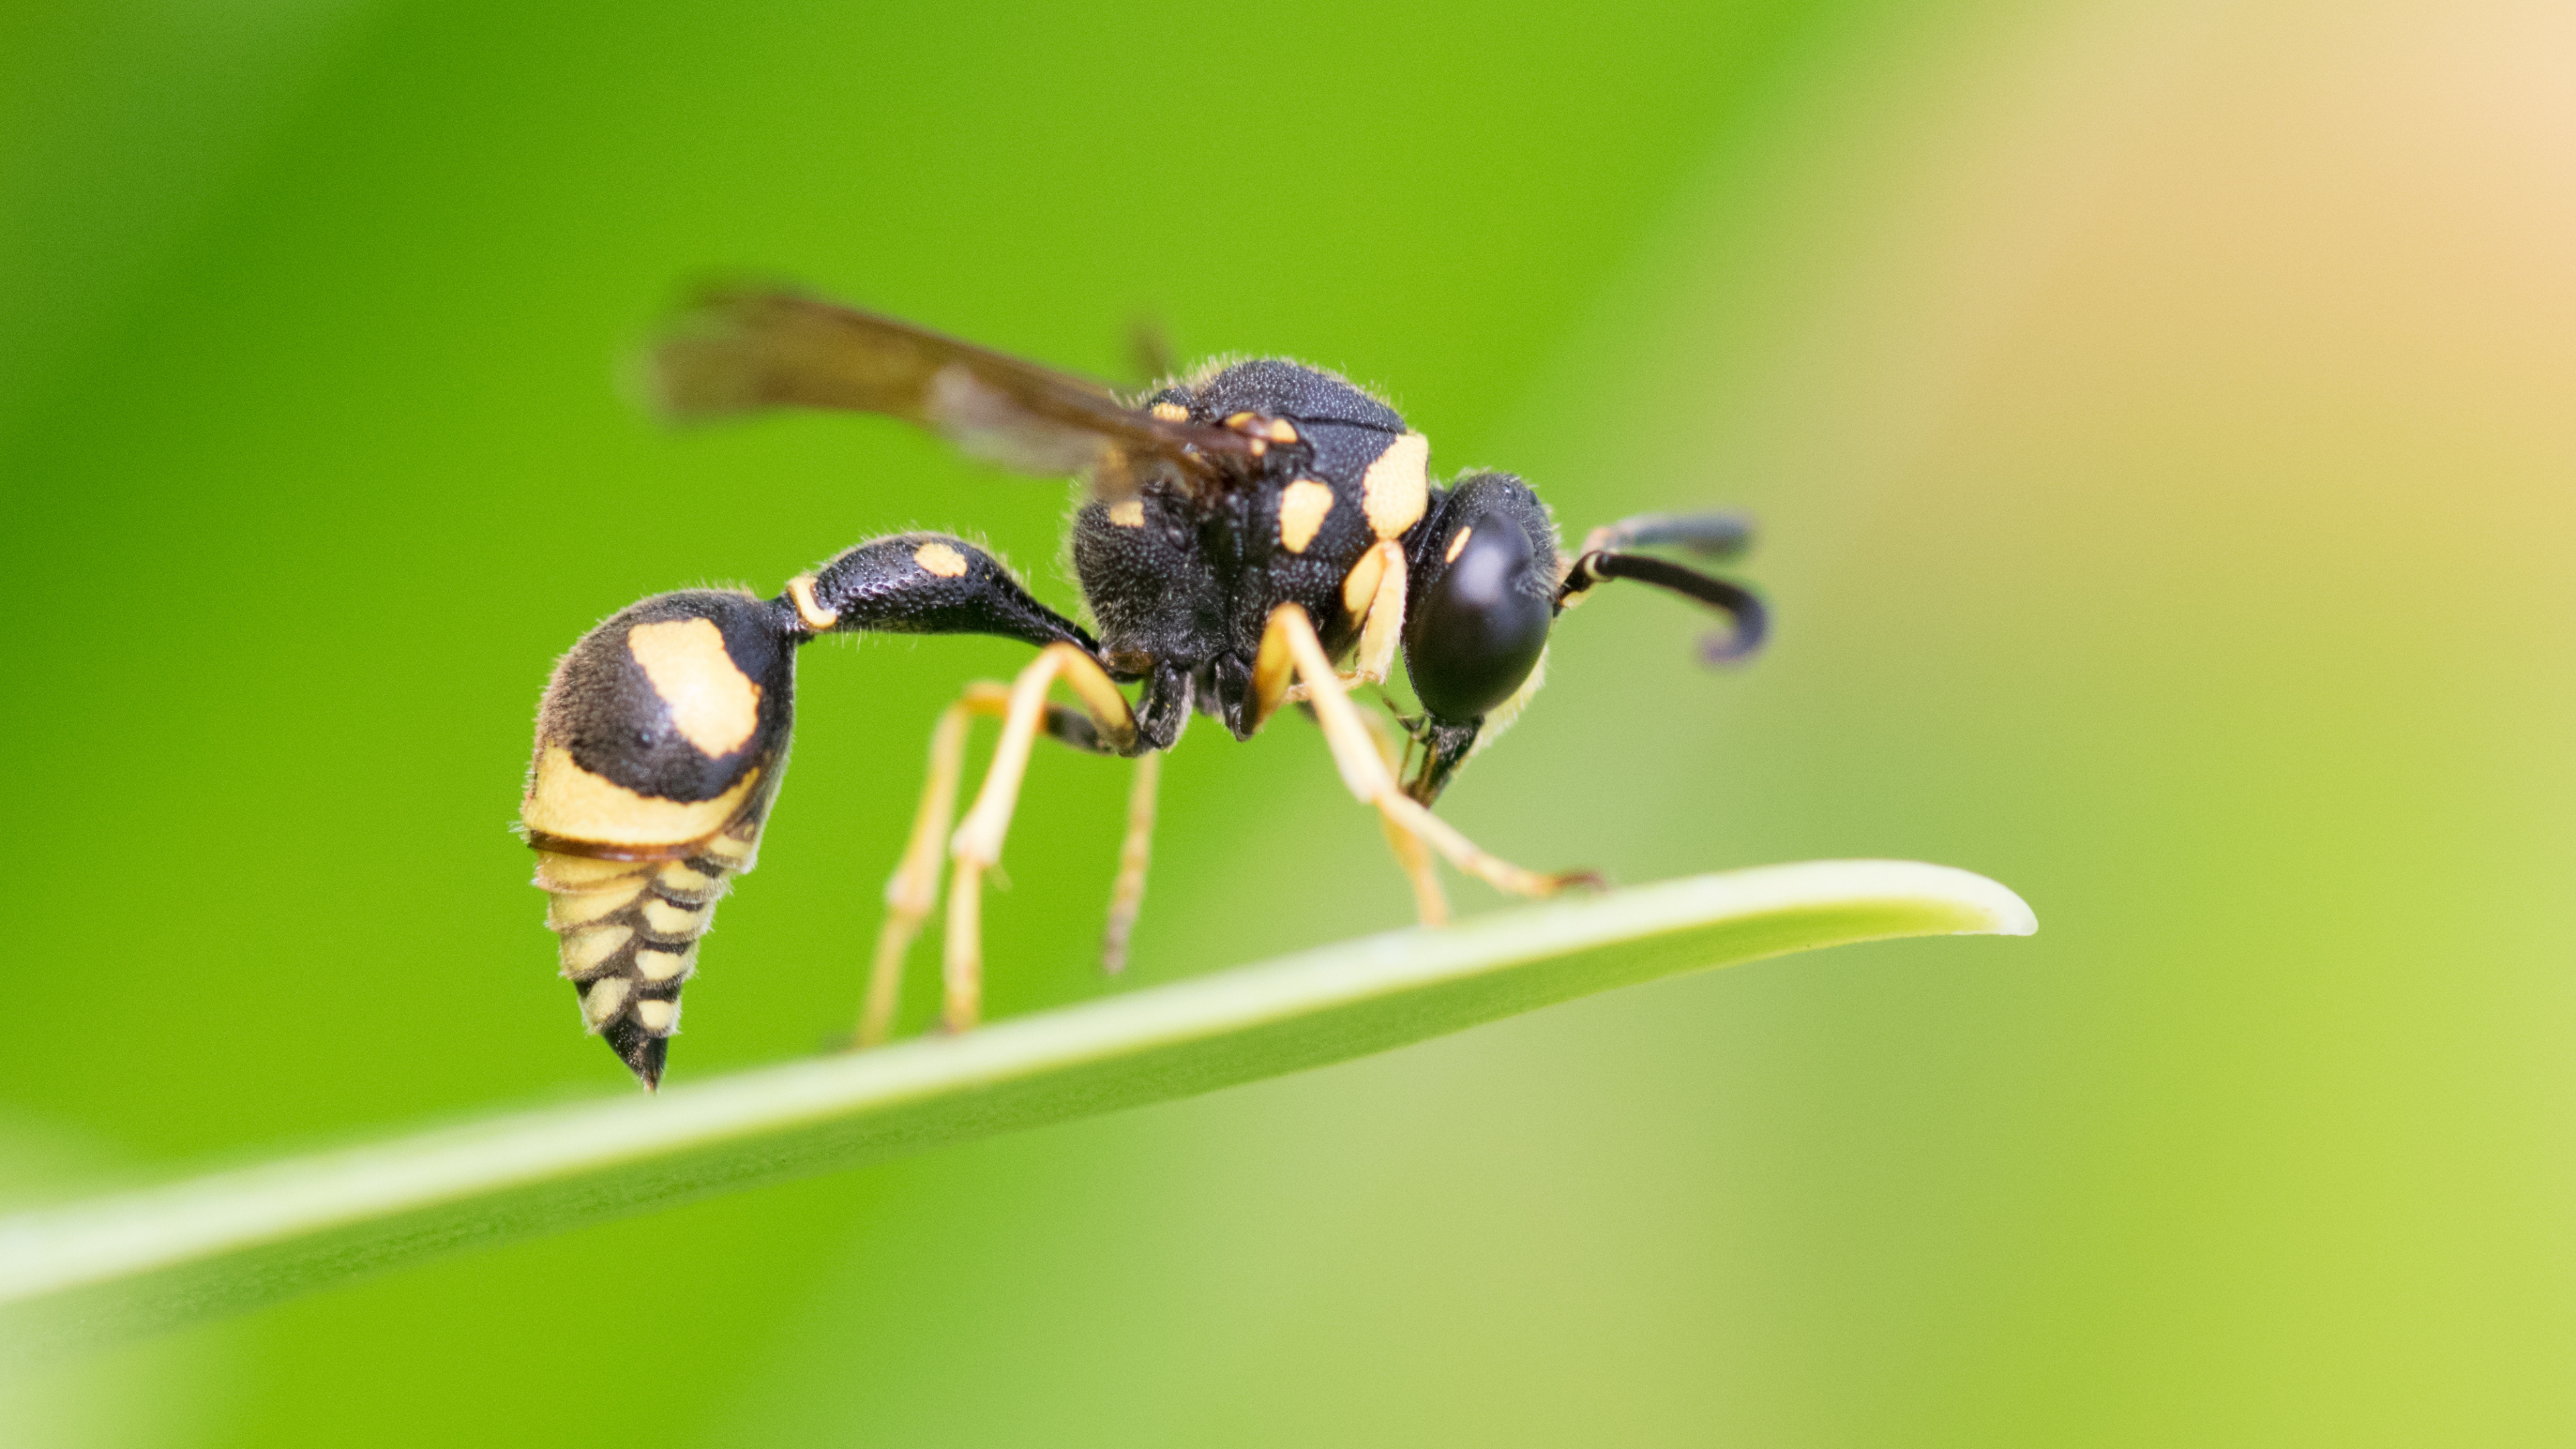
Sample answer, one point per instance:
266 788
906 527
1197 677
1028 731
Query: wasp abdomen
659 746
630 932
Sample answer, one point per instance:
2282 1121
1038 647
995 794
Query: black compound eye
1479 627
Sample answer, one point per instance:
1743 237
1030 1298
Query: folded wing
745 349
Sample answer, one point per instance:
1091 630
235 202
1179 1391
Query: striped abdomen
659 746
630 932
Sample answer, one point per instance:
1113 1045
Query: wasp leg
1289 642
913 889
977 845
1373 592
1162 709
1377 584
1430 902
1135 852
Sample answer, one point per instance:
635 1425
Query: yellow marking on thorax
1457 545
940 559
1359 586
570 801
713 703
1302 507
1275 430
800 592
1171 412
1260 432
1397 487
1130 514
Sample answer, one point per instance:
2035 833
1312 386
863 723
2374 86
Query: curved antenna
1744 610
1710 535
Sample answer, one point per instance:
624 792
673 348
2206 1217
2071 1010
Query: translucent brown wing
737 350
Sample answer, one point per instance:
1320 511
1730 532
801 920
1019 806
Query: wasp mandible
1252 534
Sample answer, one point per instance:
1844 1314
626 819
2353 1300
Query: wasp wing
738 350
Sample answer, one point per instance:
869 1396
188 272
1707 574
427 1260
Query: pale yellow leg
1134 853
1363 770
961 967
1377 585
914 887
977 845
1430 902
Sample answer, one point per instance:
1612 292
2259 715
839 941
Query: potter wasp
1251 534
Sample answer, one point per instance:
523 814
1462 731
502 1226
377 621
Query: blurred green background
2163 419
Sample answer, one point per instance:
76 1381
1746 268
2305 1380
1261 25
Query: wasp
1252 534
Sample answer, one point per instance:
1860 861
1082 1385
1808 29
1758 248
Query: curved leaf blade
236 1239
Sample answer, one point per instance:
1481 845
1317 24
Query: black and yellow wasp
1255 533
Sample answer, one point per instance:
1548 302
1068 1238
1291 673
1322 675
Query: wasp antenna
1149 350
1711 535
1752 622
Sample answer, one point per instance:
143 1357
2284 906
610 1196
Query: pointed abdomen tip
643 1051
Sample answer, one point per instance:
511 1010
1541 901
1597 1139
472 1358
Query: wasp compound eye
1480 627
659 745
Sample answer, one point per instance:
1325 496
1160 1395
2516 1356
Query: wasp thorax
659 746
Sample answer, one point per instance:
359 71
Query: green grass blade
247 1236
